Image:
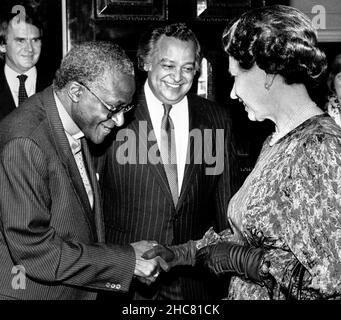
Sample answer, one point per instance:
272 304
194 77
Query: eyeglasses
112 109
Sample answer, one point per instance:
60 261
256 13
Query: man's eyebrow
166 60
23 38
172 61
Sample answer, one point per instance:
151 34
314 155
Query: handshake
222 257
152 258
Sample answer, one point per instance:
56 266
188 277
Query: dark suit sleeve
228 183
26 208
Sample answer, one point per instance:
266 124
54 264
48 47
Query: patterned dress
290 204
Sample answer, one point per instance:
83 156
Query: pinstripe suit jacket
47 224
138 203
6 99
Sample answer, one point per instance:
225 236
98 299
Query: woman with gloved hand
285 236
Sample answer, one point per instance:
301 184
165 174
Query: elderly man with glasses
52 231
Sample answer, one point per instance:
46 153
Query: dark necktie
22 96
168 152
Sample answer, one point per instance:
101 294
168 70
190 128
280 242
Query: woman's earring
269 81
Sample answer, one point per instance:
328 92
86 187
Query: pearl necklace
305 114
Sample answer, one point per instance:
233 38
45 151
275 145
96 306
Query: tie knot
22 78
76 146
167 108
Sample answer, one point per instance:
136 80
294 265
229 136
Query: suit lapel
196 121
97 210
65 155
144 129
6 99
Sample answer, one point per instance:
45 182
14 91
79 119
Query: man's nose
233 94
176 74
29 45
118 118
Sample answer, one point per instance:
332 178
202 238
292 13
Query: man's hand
180 255
159 251
147 270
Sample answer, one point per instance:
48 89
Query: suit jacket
137 201
6 99
47 224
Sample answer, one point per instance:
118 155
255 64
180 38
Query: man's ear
74 91
147 67
3 48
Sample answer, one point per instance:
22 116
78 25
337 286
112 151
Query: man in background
20 48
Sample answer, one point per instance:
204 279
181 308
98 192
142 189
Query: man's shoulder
2 74
208 107
195 99
24 121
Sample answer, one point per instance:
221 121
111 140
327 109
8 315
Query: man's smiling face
171 69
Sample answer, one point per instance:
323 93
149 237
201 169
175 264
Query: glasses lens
128 107
123 108
119 109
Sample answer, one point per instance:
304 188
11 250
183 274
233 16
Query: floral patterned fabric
290 204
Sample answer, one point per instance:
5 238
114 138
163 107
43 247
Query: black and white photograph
165 157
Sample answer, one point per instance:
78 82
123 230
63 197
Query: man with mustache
171 200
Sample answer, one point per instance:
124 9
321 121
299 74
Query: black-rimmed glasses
112 109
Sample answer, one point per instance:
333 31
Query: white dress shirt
180 118
13 82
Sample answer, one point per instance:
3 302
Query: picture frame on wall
131 9
220 10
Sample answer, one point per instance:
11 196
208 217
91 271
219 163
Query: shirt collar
155 102
73 133
13 74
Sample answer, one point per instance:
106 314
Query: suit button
107 285
118 286
113 286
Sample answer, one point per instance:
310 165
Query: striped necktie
77 149
168 152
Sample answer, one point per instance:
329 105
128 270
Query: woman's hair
280 40
335 68
148 43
